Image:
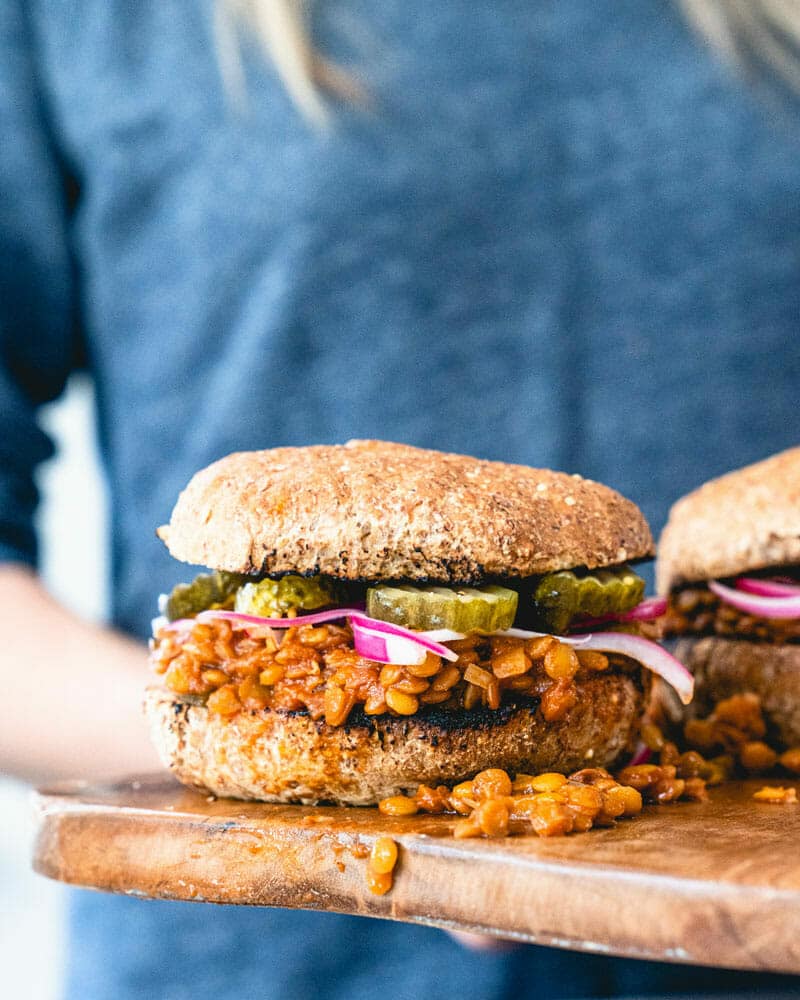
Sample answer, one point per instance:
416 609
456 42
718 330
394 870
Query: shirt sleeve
38 331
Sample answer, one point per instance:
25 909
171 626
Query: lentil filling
315 668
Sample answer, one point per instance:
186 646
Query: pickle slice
462 609
560 597
205 591
275 598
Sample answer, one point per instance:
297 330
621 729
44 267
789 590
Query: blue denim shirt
560 234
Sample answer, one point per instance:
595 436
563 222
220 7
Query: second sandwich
729 560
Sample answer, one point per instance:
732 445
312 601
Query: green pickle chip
275 598
205 591
559 597
267 598
462 609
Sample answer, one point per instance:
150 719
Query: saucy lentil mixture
737 732
494 805
550 804
381 865
316 668
698 611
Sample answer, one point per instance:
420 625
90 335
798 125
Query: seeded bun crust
276 757
745 520
371 510
724 667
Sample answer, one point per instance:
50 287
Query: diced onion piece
753 604
767 588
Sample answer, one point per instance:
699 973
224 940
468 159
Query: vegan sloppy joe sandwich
729 562
377 616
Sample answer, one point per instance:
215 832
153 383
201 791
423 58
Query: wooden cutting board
716 883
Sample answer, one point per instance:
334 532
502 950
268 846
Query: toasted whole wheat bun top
372 510
748 519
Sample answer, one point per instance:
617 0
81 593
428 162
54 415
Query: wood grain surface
714 883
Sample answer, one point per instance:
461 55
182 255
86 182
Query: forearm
71 692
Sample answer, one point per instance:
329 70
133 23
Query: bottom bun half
288 757
725 667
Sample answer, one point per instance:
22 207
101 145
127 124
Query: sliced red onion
649 654
641 755
753 604
359 621
385 647
332 614
443 635
523 633
767 588
646 611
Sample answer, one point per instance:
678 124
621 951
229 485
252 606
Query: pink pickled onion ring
387 647
383 647
362 622
767 588
320 616
646 611
753 604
